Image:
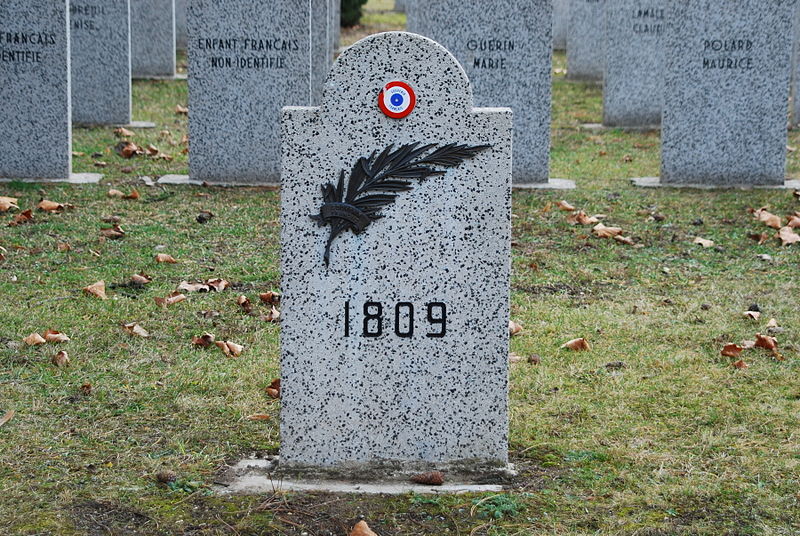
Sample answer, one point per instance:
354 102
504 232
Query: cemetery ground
650 431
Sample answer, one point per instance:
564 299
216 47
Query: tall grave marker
586 41
560 24
181 35
726 90
153 38
507 54
633 85
389 189
244 65
101 62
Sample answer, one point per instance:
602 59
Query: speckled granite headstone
507 54
101 66
394 356
560 24
633 85
726 89
35 129
244 65
152 38
795 90
586 41
181 36
400 5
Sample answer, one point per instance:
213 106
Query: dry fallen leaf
703 242
163 257
55 336
578 345
741 364
181 110
514 358
362 529
273 316
61 359
748 345
581 218
772 324
731 350
218 284
115 193
135 329
112 233
625 240
8 203
205 340
133 196
513 328
141 279
258 417
97 289
794 222
566 207
766 342
63 247
274 389
244 303
270 297
229 348
193 287
7 417
124 132
172 299
34 339
50 206
788 236
86 389
22 218
752 315
128 149
431 478
602 231
766 217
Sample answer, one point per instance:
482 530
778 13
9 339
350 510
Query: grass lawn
652 432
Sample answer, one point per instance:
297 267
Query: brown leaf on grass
100 164
123 132
760 238
625 240
34 339
63 247
7 417
748 345
274 389
61 359
273 316
362 529
163 257
566 207
431 478
767 218
204 341
740 364
8 203
515 358
270 297
258 417
115 193
50 206
794 221
184 139
128 149
181 110
513 328
601 231
788 236
193 287
578 345
135 329
141 279
703 242
133 196
172 299
111 219
52 335
112 233
581 218
766 342
731 350
97 289
230 349
218 284
26 216
627 159
244 303
772 324
85 389
752 315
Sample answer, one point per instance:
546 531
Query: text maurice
725 58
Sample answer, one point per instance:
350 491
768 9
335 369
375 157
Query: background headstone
101 62
726 89
244 65
335 13
180 24
391 402
795 94
633 85
586 41
400 5
507 54
153 38
560 24
35 129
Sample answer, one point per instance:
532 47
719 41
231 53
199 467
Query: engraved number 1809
373 319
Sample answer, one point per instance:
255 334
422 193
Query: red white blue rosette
397 100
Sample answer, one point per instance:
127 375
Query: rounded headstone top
433 74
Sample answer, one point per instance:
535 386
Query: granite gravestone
400 5
560 24
153 38
101 62
181 37
394 331
586 41
633 84
507 54
35 129
244 65
335 12
726 89
794 118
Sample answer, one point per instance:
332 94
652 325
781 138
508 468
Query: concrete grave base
186 181
176 76
655 182
132 124
263 475
600 127
552 184
74 178
140 124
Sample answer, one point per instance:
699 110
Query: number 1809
375 318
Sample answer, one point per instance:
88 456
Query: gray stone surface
335 13
633 84
244 65
560 24
655 182
586 54
100 62
35 129
794 118
507 54
152 38
181 36
400 5
373 405
726 91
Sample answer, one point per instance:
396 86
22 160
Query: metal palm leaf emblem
376 181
